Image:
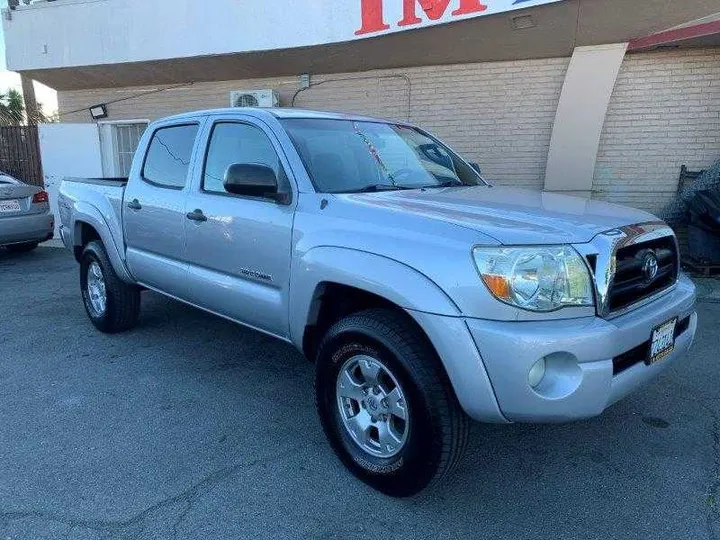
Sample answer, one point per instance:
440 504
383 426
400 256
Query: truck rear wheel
386 404
112 305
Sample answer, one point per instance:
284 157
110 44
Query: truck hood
510 215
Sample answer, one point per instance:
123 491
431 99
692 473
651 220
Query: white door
68 150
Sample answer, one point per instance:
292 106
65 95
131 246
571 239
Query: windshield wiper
447 183
380 187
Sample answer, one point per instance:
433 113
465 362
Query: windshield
344 156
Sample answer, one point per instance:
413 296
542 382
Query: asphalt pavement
192 427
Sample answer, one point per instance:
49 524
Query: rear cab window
167 160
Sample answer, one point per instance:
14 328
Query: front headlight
542 278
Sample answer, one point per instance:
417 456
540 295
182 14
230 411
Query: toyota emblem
650 266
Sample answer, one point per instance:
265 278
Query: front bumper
28 228
580 381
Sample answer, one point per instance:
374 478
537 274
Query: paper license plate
662 341
13 205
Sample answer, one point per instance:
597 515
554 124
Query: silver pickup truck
424 296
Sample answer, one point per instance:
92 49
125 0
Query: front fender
385 277
87 213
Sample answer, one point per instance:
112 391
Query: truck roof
277 113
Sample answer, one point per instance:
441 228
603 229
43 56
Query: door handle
196 215
134 205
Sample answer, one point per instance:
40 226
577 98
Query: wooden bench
701 269
696 267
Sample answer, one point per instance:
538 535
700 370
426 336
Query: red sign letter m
372 12
435 9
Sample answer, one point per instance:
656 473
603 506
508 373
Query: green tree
13 113
12 108
44 118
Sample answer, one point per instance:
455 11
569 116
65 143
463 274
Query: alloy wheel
96 289
372 406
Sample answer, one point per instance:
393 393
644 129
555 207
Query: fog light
537 372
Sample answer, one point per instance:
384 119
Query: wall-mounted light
98 112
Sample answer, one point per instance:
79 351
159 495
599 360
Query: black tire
123 299
22 248
438 428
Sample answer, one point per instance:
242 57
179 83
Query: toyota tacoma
424 296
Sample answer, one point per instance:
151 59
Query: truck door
154 209
239 252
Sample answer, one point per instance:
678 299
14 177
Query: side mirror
252 180
475 166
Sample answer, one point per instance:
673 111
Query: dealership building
603 98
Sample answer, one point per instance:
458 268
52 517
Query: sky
9 79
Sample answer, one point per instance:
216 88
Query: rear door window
168 157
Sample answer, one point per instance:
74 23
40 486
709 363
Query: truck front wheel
386 404
112 305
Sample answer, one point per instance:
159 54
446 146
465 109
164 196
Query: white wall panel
68 150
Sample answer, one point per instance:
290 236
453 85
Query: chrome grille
618 258
633 282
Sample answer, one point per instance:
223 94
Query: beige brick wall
664 112
499 114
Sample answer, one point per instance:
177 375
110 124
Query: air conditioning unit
254 98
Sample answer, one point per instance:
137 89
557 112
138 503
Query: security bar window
126 138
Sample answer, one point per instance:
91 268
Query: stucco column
31 108
580 116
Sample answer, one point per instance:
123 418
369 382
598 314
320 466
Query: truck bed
118 181
102 197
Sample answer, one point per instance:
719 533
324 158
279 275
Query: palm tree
13 113
12 108
43 118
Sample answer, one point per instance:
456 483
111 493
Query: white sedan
25 218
